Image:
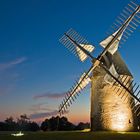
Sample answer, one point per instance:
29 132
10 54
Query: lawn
76 135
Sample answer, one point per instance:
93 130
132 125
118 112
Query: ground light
18 134
86 130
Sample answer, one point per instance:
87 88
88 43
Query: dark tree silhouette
25 124
82 126
3 126
10 124
57 123
64 124
52 124
33 126
45 125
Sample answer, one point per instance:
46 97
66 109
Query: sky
36 69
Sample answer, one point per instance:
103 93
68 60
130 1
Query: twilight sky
35 69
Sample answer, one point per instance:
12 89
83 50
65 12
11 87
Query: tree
23 119
26 125
33 126
45 126
57 123
22 124
10 124
82 126
64 124
3 126
53 123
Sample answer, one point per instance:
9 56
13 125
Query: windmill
114 94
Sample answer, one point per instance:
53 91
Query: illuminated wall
108 110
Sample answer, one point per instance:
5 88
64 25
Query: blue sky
34 63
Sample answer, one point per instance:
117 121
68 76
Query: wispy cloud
40 107
44 115
41 111
50 95
7 65
8 79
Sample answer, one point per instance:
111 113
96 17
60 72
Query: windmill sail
77 45
79 86
127 24
81 54
114 47
82 82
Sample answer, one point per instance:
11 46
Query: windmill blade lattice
79 46
132 10
72 94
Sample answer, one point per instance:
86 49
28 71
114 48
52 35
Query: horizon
36 70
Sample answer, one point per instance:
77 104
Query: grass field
77 135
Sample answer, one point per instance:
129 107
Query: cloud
8 79
43 115
40 107
41 111
4 66
50 95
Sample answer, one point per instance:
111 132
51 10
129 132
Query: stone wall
108 110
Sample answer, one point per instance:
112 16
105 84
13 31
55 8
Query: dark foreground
76 135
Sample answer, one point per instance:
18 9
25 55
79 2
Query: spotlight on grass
18 134
86 130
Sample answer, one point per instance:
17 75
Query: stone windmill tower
114 95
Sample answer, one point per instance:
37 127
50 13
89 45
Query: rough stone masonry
108 110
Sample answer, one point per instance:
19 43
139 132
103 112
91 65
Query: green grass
76 135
